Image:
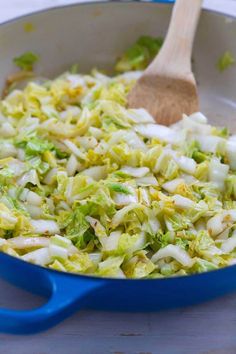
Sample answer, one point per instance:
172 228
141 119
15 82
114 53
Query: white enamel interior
95 34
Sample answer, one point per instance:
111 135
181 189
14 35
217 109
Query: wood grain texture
167 88
204 329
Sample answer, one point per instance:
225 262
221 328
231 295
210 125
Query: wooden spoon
167 88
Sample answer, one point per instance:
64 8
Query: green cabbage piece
225 61
26 61
140 54
35 145
119 188
75 226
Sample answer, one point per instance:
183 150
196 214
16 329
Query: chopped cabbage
225 61
26 61
92 187
140 54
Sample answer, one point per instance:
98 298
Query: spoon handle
175 54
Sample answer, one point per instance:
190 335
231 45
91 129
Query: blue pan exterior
66 293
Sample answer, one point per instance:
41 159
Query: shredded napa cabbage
92 187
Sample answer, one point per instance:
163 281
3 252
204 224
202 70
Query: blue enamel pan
67 293
96 33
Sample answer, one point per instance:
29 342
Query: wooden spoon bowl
167 88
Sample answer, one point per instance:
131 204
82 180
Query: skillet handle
66 293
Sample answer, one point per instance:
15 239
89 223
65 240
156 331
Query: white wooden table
205 329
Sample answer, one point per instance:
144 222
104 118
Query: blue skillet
66 293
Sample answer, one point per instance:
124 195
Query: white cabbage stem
175 252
